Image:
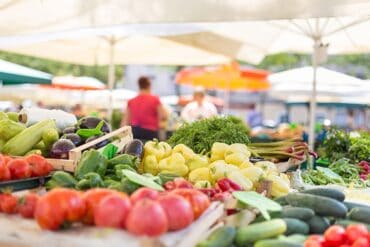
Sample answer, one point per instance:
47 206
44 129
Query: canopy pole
111 76
311 136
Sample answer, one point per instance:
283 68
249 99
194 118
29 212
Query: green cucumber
221 237
321 205
258 231
360 214
281 200
297 213
276 243
295 226
326 192
346 223
351 205
318 224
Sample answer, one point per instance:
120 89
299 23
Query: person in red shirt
144 112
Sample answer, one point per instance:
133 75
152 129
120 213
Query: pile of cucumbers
307 212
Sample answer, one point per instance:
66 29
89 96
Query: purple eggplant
61 148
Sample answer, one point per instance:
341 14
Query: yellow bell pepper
219 169
268 167
238 178
218 151
203 184
246 164
279 186
202 173
184 150
254 173
197 161
238 148
236 158
175 164
167 148
154 148
150 164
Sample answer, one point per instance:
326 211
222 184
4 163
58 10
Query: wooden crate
16 231
124 134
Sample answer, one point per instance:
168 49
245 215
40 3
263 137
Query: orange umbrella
226 77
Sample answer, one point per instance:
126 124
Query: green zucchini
326 192
318 224
258 231
29 137
14 116
297 213
295 226
296 238
49 137
321 205
360 214
276 243
346 223
221 237
351 205
9 129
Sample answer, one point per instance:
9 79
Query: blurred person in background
254 117
144 112
199 108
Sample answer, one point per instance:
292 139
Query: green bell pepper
90 180
61 179
124 159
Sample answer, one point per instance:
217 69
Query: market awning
11 73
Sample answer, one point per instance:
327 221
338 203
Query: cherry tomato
312 243
40 166
334 236
361 242
8 203
144 193
356 231
27 205
19 168
92 198
198 200
112 211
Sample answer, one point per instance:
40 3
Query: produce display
109 208
172 183
289 221
344 160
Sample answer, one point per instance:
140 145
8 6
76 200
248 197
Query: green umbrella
11 73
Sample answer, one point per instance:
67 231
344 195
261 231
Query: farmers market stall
207 184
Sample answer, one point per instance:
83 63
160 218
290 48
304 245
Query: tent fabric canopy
76 83
11 73
55 15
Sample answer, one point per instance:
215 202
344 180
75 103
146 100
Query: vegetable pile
224 161
62 207
288 221
200 135
30 166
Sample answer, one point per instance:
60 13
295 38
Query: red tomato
356 231
92 198
112 211
27 205
178 210
345 245
144 193
316 237
7 159
182 183
312 243
40 166
8 203
19 168
59 206
335 236
4 171
368 237
147 217
361 242
198 200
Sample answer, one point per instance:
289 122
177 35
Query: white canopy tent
35 16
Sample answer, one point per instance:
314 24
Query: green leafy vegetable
201 135
258 201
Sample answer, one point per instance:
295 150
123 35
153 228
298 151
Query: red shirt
144 111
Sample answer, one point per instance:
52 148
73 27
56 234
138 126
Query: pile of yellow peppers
224 161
